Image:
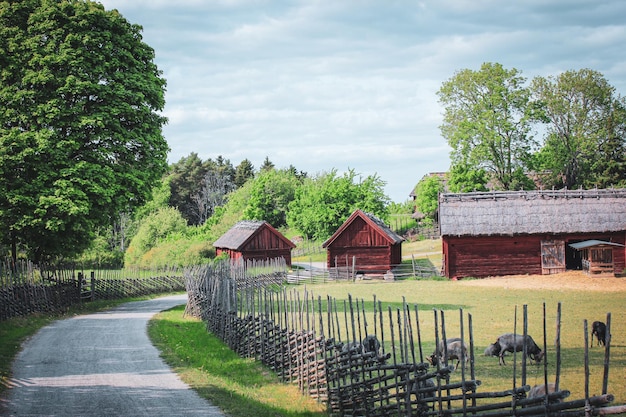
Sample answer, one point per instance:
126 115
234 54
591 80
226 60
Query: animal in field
425 389
510 342
371 344
454 348
539 391
598 329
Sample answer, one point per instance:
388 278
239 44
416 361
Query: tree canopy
586 130
80 129
487 122
323 203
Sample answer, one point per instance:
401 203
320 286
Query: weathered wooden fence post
93 285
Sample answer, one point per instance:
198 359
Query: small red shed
528 232
256 240
365 240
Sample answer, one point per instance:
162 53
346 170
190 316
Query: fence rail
321 344
26 288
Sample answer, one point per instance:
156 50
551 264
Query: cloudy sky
344 84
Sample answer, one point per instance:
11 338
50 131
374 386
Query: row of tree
83 161
567 130
492 117
313 206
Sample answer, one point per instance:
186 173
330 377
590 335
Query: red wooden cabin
527 232
365 240
256 240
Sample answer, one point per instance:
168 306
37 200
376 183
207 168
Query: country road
100 364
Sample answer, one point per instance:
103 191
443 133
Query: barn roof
373 221
238 235
531 212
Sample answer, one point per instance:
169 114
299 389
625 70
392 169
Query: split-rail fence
315 342
26 288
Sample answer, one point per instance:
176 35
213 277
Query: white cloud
352 84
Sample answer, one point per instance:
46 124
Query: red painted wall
483 256
372 250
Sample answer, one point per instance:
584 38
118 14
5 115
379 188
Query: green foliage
80 132
243 172
271 192
427 195
323 203
406 207
586 126
153 229
100 254
232 212
159 198
462 178
487 121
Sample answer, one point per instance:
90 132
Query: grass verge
240 387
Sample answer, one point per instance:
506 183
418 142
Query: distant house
528 232
256 240
366 241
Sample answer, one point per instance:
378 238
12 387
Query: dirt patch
573 280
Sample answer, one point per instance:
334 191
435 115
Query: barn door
552 256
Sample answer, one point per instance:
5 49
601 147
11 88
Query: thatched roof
530 212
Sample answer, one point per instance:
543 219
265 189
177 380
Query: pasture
492 305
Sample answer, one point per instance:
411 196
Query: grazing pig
425 389
371 344
539 391
598 329
510 342
455 349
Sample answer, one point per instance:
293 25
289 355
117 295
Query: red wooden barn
364 238
256 240
528 232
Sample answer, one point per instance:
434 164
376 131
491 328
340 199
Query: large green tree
272 191
487 122
585 141
80 130
323 203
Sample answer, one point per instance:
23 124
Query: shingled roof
238 235
530 212
390 235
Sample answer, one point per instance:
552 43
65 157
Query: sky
352 85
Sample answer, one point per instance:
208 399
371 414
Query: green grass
493 310
240 387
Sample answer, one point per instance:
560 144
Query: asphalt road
100 364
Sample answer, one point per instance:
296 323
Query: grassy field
493 311
244 388
217 374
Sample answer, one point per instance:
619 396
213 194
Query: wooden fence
26 288
310 273
316 343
